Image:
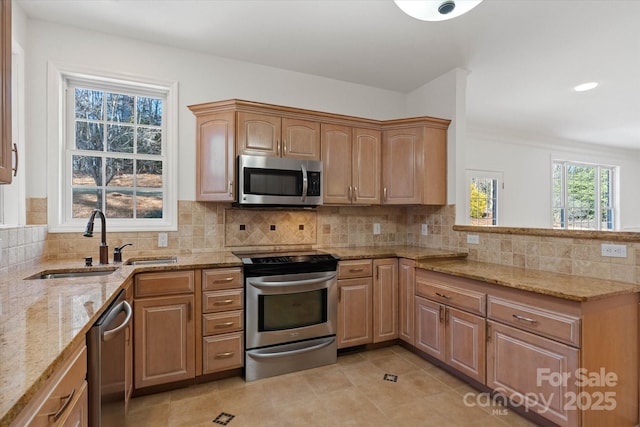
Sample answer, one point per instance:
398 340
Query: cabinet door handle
441 313
278 148
284 147
224 355
350 194
230 188
55 416
446 316
189 311
384 194
488 331
225 280
355 193
525 319
223 325
223 302
15 150
443 295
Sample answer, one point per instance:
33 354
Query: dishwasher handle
123 306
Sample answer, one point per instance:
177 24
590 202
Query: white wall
526 164
201 78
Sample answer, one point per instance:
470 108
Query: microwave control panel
314 184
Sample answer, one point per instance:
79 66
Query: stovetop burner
286 262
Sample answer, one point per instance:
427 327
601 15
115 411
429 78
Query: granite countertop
565 286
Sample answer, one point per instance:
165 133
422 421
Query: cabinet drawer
223 278
356 268
221 323
464 299
213 301
164 283
222 352
60 396
551 324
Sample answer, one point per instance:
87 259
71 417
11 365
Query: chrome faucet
104 248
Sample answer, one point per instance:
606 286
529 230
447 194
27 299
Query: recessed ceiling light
585 86
436 10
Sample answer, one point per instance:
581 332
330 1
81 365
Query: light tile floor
352 392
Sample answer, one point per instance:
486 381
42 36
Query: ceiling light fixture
436 10
585 86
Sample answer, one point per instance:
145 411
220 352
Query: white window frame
58 189
598 209
493 175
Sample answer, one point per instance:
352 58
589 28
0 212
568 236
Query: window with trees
117 154
583 196
484 189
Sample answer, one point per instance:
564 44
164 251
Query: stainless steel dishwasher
106 365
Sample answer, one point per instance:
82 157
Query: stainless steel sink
62 274
152 261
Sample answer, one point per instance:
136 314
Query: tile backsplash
21 247
206 227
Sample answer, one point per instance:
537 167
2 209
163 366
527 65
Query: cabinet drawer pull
55 416
224 325
224 355
223 302
355 270
225 280
444 296
525 319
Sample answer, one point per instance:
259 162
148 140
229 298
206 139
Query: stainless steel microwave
275 181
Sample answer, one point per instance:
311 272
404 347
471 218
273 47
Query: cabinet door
366 166
164 340
466 341
259 134
354 312
385 299
435 167
5 93
406 293
336 164
401 164
300 139
430 328
517 359
215 157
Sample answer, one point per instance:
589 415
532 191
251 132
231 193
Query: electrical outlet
163 240
376 228
424 230
617 251
473 238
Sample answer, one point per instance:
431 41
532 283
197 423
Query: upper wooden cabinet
414 162
5 93
365 161
269 135
351 160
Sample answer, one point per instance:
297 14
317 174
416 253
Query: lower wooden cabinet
406 300
355 315
385 299
222 352
524 367
164 340
164 327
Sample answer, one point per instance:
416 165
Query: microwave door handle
305 182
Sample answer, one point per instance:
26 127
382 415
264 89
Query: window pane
89 136
558 198
120 138
149 141
88 104
483 201
120 172
87 170
558 217
85 200
120 108
149 111
149 204
120 203
149 173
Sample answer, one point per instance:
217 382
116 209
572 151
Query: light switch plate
424 230
376 228
163 240
473 239
616 251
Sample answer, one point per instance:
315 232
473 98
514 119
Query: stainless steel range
290 312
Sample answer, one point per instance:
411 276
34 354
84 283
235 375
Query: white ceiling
524 56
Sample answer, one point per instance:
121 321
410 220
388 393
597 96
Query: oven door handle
269 354
260 283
